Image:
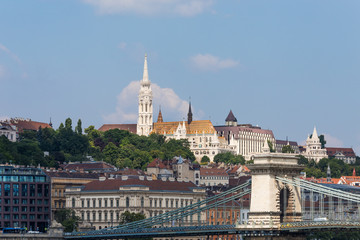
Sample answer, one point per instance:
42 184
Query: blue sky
283 65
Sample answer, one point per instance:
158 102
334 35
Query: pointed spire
314 135
50 124
266 148
190 113
145 74
328 174
160 118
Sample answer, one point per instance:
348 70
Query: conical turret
314 135
160 118
190 115
145 79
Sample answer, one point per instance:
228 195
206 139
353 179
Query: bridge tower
273 202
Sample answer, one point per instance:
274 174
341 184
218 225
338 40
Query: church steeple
160 118
145 117
190 114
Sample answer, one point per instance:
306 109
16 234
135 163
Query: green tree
68 123
302 160
287 149
78 128
67 218
128 217
205 160
271 146
229 158
322 140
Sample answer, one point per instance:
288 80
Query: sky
282 65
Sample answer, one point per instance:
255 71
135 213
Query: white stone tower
145 118
313 148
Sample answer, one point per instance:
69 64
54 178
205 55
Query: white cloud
11 54
173 107
332 141
151 7
208 62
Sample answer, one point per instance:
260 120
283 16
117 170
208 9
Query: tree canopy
229 158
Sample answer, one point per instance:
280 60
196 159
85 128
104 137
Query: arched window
146 107
127 202
142 202
73 202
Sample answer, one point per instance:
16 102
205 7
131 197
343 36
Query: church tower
145 117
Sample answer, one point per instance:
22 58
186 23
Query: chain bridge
282 206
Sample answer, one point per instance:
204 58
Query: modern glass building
24 198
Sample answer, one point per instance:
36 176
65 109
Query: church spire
160 118
145 74
314 135
190 113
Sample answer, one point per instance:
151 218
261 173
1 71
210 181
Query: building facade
244 139
346 154
62 180
25 198
213 177
282 143
8 130
102 202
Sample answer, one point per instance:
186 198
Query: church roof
129 127
231 117
194 127
160 118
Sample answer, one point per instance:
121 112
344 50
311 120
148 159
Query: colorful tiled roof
194 127
153 185
129 127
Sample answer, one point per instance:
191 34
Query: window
24 209
39 202
106 201
94 216
82 203
88 203
32 201
15 190
23 216
142 202
39 209
39 190
127 202
117 216
99 202
7 190
15 209
117 203
32 190
82 216
24 201
15 201
73 202
88 216
99 216
150 202
105 216
94 203
46 190
32 209
111 203
167 203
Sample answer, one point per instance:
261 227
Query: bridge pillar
273 202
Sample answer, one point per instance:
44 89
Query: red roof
129 127
156 163
154 185
348 152
28 125
213 172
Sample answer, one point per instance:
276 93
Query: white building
102 202
244 139
8 131
145 117
313 148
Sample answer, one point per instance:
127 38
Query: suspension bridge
281 205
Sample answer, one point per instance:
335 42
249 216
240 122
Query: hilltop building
244 139
8 131
314 150
282 143
345 154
